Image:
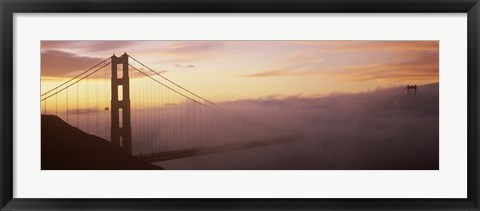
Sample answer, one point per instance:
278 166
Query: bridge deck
190 152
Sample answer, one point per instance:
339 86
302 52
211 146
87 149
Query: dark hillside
67 148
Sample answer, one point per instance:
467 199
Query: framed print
255 105
151 118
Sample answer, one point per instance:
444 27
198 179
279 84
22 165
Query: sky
235 70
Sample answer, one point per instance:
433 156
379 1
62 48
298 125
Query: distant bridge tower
121 130
412 87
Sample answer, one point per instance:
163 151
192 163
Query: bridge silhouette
153 118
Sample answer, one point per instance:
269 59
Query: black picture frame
10 7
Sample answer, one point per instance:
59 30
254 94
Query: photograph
239 104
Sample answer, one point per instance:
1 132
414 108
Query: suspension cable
238 116
75 77
76 81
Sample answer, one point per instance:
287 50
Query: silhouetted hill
67 148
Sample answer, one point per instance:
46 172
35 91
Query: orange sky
230 70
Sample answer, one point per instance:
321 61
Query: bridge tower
120 129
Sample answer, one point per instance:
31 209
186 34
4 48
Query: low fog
379 129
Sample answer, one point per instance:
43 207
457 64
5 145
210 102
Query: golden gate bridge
152 117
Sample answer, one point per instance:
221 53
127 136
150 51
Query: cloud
86 111
420 67
380 129
190 51
184 66
375 130
397 62
140 72
60 63
369 45
389 46
191 47
64 64
288 71
91 46
271 73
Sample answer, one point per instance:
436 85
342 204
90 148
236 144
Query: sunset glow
232 70
240 105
